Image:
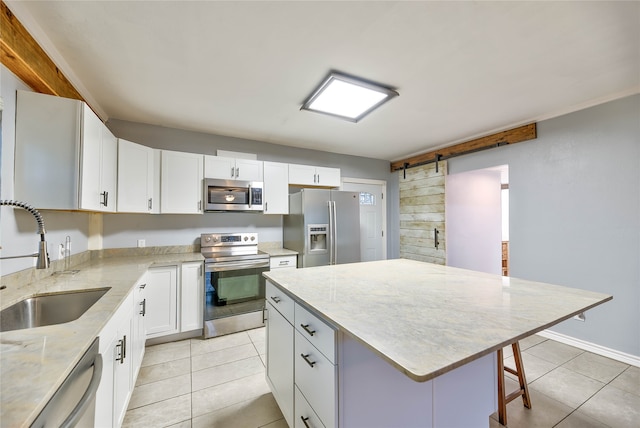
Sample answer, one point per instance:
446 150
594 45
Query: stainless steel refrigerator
323 226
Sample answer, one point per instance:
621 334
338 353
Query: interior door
372 208
474 220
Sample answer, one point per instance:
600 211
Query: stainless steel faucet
42 255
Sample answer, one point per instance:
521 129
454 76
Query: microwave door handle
250 195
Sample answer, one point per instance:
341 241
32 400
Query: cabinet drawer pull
275 299
142 286
143 311
305 357
306 328
304 421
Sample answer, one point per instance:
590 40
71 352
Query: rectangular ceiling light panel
347 97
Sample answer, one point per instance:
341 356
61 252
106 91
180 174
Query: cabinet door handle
105 198
199 205
306 328
304 421
237 171
150 203
143 311
122 344
142 286
275 299
307 360
233 173
266 206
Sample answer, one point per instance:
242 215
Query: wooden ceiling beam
511 136
22 54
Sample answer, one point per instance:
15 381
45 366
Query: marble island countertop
427 319
35 361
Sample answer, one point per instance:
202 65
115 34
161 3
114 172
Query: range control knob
245 238
207 239
253 238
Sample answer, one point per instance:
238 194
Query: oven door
234 287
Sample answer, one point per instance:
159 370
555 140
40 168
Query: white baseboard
592 347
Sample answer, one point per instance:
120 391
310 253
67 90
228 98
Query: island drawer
280 300
304 414
315 376
321 335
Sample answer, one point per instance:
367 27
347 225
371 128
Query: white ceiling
243 68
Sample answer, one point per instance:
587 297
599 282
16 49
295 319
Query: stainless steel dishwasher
74 403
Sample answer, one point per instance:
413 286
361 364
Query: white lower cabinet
174 299
138 327
302 378
305 416
162 301
315 377
192 296
120 365
279 351
281 262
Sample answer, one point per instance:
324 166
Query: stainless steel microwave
232 195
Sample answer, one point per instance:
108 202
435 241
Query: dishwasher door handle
88 396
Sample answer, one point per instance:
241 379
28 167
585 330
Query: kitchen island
408 342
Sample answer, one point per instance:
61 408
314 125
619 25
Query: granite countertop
427 319
34 362
275 249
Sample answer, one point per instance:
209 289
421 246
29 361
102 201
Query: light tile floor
220 382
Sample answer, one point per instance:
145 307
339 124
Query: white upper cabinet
181 183
65 157
135 178
276 188
232 168
308 175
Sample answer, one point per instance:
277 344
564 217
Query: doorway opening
477 219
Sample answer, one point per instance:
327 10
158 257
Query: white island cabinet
399 342
65 157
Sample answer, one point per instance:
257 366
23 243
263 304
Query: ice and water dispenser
318 238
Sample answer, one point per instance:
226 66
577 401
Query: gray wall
123 230
575 213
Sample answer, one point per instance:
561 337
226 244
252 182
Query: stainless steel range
234 285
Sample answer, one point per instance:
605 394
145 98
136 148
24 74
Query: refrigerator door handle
330 234
334 232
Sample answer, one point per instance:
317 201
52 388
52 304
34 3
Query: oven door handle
225 266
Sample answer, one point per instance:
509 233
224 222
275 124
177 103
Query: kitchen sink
49 309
